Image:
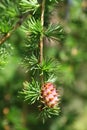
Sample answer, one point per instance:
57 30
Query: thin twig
18 24
41 37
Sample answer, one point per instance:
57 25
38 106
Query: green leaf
5 53
54 31
29 5
32 27
48 65
48 113
55 0
31 91
5 24
30 63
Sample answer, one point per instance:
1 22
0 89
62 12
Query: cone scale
49 95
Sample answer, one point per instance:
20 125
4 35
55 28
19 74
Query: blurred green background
15 114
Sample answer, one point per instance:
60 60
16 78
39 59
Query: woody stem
41 37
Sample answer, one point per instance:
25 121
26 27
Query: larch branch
18 24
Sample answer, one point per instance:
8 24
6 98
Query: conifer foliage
40 88
31 15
